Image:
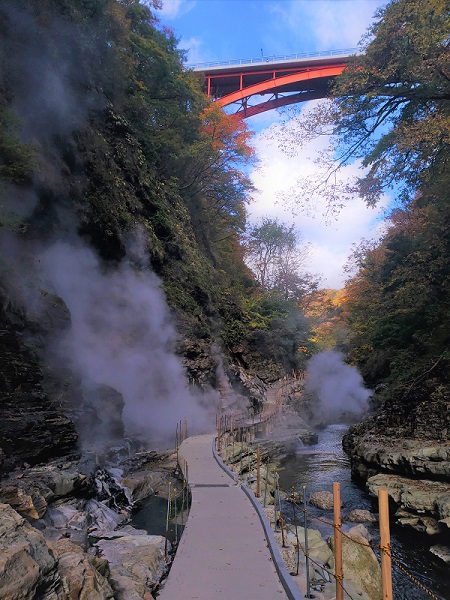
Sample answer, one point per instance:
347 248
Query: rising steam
337 389
121 336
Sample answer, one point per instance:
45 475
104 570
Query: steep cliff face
33 426
119 227
411 441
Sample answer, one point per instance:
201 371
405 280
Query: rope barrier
413 579
289 496
338 578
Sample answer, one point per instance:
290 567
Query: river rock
418 522
360 565
308 437
360 516
80 578
28 568
421 496
443 552
323 500
136 564
142 484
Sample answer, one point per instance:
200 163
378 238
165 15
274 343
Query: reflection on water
317 467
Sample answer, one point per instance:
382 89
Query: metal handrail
272 58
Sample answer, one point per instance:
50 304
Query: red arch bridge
257 85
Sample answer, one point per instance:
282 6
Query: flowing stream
317 467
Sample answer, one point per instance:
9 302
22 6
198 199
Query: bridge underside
255 89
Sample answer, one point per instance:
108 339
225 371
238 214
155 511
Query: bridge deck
223 552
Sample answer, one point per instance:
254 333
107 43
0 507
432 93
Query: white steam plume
121 335
337 387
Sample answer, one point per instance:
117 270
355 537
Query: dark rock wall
33 428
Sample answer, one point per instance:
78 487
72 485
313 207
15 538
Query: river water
317 467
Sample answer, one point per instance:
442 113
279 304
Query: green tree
277 256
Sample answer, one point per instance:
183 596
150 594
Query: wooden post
258 471
385 544
185 429
218 435
338 541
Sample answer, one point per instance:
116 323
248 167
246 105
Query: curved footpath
223 552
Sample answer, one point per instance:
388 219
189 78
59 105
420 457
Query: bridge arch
285 80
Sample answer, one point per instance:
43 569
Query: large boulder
142 484
31 491
28 568
322 499
79 572
136 562
371 453
415 495
360 516
360 565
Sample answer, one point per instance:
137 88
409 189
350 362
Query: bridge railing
272 58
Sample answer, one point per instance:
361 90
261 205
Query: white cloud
331 243
195 52
172 9
331 24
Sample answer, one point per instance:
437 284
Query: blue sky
221 30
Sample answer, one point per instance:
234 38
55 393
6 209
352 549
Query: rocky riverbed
65 532
362 573
416 473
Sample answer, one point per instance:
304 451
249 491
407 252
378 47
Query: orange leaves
228 134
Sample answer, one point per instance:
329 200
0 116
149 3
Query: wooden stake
185 429
338 541
258 471
385 544
218 435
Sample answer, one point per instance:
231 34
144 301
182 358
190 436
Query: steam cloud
338 388
120 335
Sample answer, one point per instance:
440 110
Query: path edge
292 591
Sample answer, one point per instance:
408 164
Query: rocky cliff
409 454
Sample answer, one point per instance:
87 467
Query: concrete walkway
223 551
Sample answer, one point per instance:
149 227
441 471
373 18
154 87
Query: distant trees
277 256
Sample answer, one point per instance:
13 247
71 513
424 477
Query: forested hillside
393 111
113 163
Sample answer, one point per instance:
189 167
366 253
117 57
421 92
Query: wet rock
80 578
443 552
419 522
28 568
136 564
323 500
308 437
360 516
